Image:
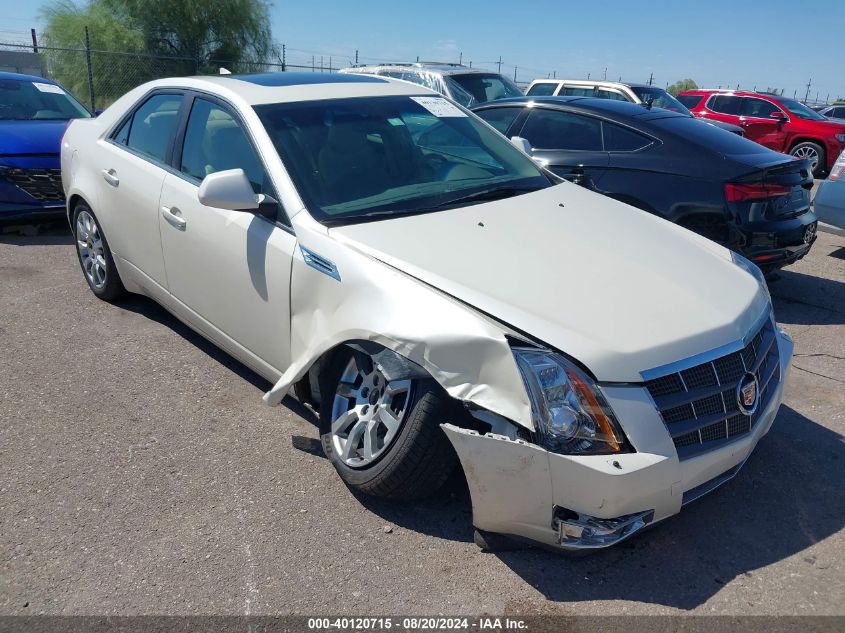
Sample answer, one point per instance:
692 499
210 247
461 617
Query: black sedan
725 187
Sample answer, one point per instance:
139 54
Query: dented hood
614 287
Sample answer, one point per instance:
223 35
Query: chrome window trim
710 355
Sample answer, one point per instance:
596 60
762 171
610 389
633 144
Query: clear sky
767 44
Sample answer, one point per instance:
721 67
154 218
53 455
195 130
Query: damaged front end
516 488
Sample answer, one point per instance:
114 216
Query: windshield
353 159
35 100
800 110
485 87
659 98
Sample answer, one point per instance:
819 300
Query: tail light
735 192
838 169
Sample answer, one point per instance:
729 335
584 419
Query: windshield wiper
494 193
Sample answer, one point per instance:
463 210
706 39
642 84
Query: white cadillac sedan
435 295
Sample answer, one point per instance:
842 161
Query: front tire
94 255
814 153
384 437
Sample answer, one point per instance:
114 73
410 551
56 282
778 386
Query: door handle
110 176
174 217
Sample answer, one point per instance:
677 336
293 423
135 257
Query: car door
567 143
133 165
228 271
756 119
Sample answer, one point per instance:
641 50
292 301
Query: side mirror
778 115
228 189
522 145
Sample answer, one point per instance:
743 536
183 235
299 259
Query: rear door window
555 129
725 104
543 89
577 91
152 126
500 118
601 93
621 139
690 101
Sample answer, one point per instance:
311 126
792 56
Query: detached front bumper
577 503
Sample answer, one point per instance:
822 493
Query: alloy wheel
89 244
809 153
367 412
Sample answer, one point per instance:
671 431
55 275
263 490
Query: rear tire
814 153
94 255
409 458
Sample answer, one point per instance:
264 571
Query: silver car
830 198
467 86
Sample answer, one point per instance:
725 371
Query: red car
779 123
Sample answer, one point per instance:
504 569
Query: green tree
680 86
113 74
206 32
134 41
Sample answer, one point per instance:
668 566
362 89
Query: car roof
596 82
19 77
621 109
290 87
442 68
732 93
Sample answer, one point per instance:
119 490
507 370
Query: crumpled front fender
467 353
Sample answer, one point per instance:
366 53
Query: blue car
830 198
34 113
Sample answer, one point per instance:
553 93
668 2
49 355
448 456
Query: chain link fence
98 77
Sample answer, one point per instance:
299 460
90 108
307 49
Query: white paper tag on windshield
48 88
438 106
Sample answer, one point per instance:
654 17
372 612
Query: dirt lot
141 473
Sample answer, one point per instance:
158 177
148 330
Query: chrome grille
44 185
699 404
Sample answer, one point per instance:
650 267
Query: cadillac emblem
748 394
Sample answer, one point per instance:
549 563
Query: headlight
840 138
570 413
751 268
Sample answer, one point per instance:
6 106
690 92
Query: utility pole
500 64
34 41
313 69
461 59
650 79
554 74
90 73
284 58
514 74
356 56
807 94
605 73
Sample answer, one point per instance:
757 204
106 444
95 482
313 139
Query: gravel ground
140 473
